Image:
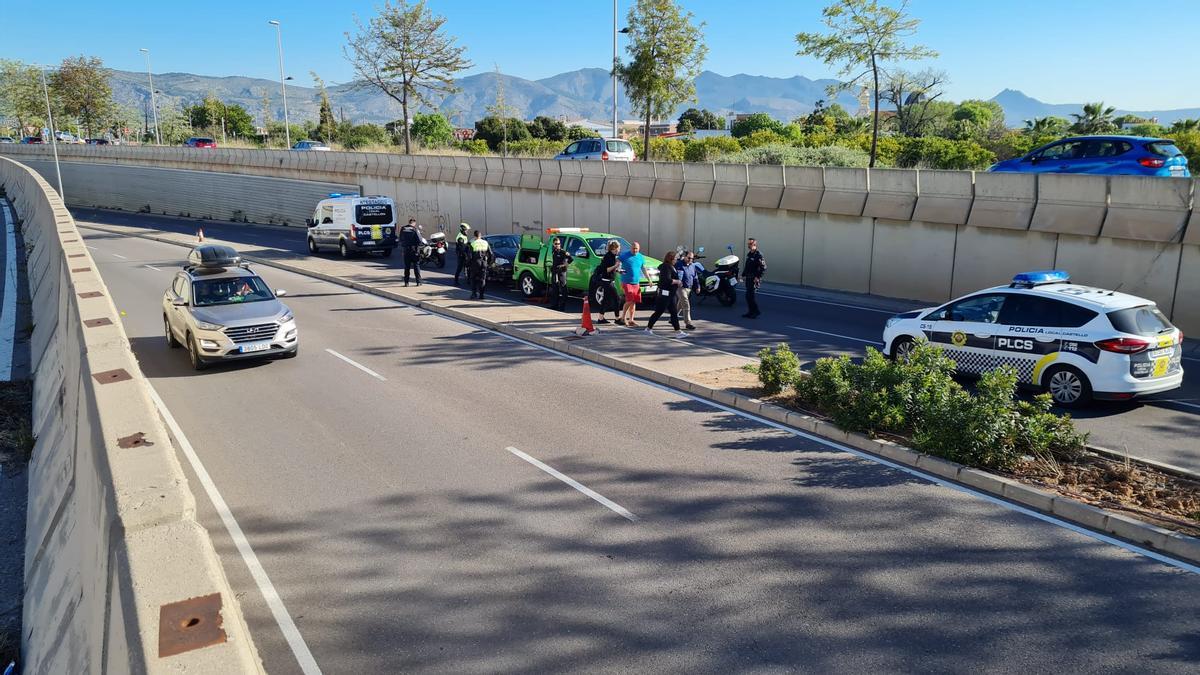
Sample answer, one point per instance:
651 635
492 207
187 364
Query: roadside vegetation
919 402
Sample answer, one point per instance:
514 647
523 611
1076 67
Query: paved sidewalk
675 357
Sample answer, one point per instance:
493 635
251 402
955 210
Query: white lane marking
1138 550
358 365
93 248
300 650
829 302
1191 358
615 507
8 311
836 335
118 255
1172 402
153 268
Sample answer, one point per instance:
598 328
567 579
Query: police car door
966 331
1034 330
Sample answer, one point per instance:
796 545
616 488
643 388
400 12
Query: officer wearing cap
462 251
481 260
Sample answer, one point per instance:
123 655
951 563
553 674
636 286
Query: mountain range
585 93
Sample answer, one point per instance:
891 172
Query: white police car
1076 342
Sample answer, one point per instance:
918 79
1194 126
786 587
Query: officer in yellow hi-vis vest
481 261
462 251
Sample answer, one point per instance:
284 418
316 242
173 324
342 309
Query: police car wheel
902 348
312 246
1067 386
171 341
345 252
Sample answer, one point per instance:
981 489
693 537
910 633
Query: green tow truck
531 269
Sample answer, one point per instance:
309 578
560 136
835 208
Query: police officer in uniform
410 241
481 260
462 251
559 261
756 267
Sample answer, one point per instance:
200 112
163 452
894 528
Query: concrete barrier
803 188
986 257
641 179
730 184
1003 200
111 535
616 178
1186 306
668 181
1070 204
845 191
1148 208
944 196
893 194
911 259
1143 268
699 180
764 187
837 252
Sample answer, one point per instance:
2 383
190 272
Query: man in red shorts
632 269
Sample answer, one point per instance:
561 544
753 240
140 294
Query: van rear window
1145 320
373 214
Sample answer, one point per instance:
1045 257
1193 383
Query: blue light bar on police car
1039 277
335 195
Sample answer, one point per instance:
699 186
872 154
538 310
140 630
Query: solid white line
118 255
576 484
300 650
358 365
1167 400
153 268
828 302
844 337
1191 358
8 312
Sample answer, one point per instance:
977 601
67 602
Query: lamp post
614 66
287 133
153 101
53 138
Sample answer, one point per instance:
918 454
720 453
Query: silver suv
611 149
221 310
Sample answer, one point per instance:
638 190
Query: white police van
1076 342
353 224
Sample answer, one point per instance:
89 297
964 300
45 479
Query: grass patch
16 432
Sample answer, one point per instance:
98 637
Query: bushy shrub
474 147
763 137
919 397
710 148
755 122
778 368
1188 143
885 151
661 149
535 147
362 135
931 152
786 154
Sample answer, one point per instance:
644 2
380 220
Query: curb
1176 545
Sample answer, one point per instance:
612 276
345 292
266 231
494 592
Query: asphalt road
379 491
814 324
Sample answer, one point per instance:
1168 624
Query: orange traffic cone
200 234
585 326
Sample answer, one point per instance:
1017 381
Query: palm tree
1182 126
1045 126
1096 119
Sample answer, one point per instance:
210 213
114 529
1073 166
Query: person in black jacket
462 251
668 286
601 289
410 241
756 267
559 261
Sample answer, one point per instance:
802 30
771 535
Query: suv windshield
373 214
1164 148
600 244
1145 320
229 291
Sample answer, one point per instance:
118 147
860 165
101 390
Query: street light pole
153 102
287 133
614 70
53 139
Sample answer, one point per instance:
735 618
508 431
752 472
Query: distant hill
1019 107
585 93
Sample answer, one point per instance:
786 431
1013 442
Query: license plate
652 289
257 347
368 243
1177 171
376 232
1162 353
1161 366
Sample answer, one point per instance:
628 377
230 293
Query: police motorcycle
433 249
720 282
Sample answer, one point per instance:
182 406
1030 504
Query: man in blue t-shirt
632 264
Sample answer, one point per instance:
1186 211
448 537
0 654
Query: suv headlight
204 325
287 316
502 261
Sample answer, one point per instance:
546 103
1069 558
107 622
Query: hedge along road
1160 427
407 496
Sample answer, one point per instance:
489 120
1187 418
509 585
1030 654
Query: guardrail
119 576
915 234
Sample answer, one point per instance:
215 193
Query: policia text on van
353 224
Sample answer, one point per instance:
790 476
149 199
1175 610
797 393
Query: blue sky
1058 51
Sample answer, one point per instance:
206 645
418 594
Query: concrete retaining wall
111 534
923 235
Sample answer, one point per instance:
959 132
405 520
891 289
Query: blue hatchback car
1104 155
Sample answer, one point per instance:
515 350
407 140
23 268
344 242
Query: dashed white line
118 255
615 507
836 335
295 640
92 248
1167 400
156 269
358 365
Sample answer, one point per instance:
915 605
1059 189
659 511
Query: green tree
548 128
576 132
1046 126
491 129
238 121
666 52
1183 126
326 122
405 54
432 130
701 119
356 136
913 96
756 122
863 36
81 87
21 95
1096 118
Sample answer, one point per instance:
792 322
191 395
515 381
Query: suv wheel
172 343
1067 386
194 354
312 246
530 287
345 252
